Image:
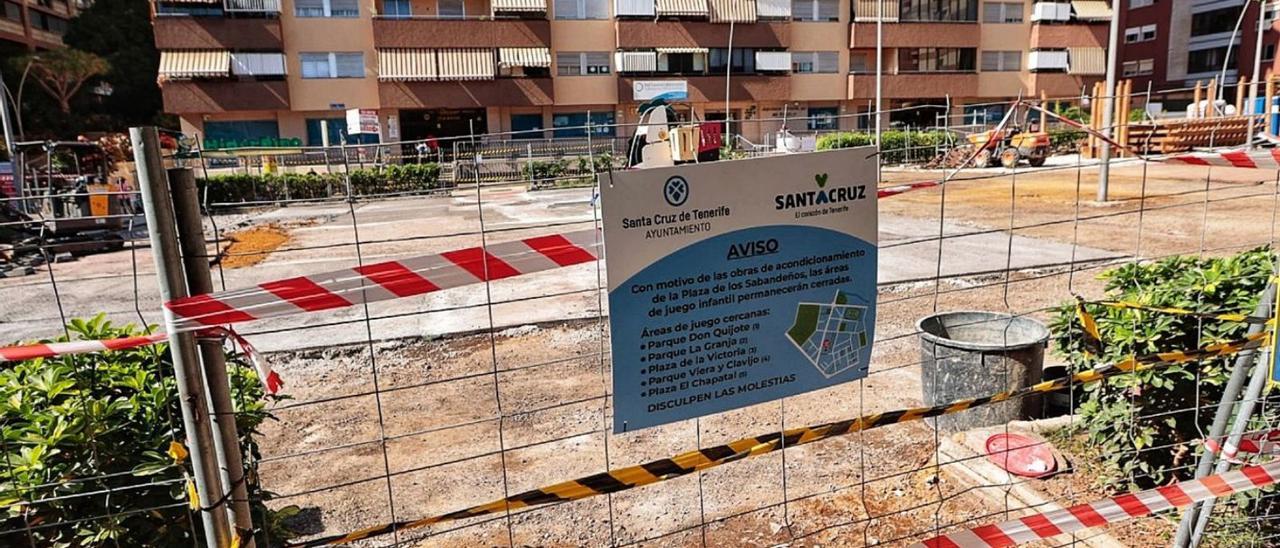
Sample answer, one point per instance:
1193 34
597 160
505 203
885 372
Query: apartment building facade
30 25
1171 44
263 72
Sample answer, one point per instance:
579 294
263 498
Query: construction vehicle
1011 144
661 140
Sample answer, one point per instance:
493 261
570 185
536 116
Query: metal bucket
975 354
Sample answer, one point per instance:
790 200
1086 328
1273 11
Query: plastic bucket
976 354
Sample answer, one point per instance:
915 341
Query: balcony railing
269 6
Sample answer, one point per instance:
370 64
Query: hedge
389 179
898 146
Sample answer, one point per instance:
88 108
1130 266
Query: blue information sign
734 283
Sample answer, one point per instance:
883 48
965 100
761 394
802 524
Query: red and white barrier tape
386 280
1113 510
1265 158
270 379
1262 443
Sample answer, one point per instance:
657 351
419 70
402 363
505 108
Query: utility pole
195 263
1109 101
182 346
1257 73
879 67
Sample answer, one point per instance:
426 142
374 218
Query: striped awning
682 7
407 64
637 61
1092 10
681 50
773 8
195 64
736 11
524 57
466 64
1086 61
193 1
520 6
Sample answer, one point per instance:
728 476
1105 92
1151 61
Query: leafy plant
391 179
897 146
85 440
62 72
543 171
1146 425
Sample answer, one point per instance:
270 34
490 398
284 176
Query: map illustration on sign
831 336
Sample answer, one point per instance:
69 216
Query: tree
129 46
62 72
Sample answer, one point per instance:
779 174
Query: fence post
164 248
195 263
1222 414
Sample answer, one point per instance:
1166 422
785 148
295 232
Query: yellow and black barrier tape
702 459
1176 311
1092 338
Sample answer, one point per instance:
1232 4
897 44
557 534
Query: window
332 65
742 61
1142 67
257 64
939 10
582 63
397 9
526 126
582 9
1215 21
1209 60
12 11
451 9
1145 33
1001 12
936 59
815 10
326 8
1269 52
983 114
43 21
1273 12
573 122
860 61
826 62
682 63
1001 61
1135 4
823 118
337 128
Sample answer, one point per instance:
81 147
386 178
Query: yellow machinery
1009 146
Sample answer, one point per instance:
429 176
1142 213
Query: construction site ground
324 452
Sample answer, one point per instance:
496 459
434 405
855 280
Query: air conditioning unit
1050 11
1047 60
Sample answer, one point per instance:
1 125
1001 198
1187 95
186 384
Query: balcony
174 32
505 92
914 35
461 33
1071 35
745 87
207 97
916 85
1061 84
701 34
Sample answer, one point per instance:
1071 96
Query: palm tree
62 72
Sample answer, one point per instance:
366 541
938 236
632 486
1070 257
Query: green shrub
75 427
390 179
1145 425
1066 139
897 146
544 171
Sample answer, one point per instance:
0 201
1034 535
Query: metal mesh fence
418 406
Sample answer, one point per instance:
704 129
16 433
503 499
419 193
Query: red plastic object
1021 456
710 137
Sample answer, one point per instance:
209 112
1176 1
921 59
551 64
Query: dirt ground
251 246
436 402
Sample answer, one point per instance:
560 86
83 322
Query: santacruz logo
821 196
